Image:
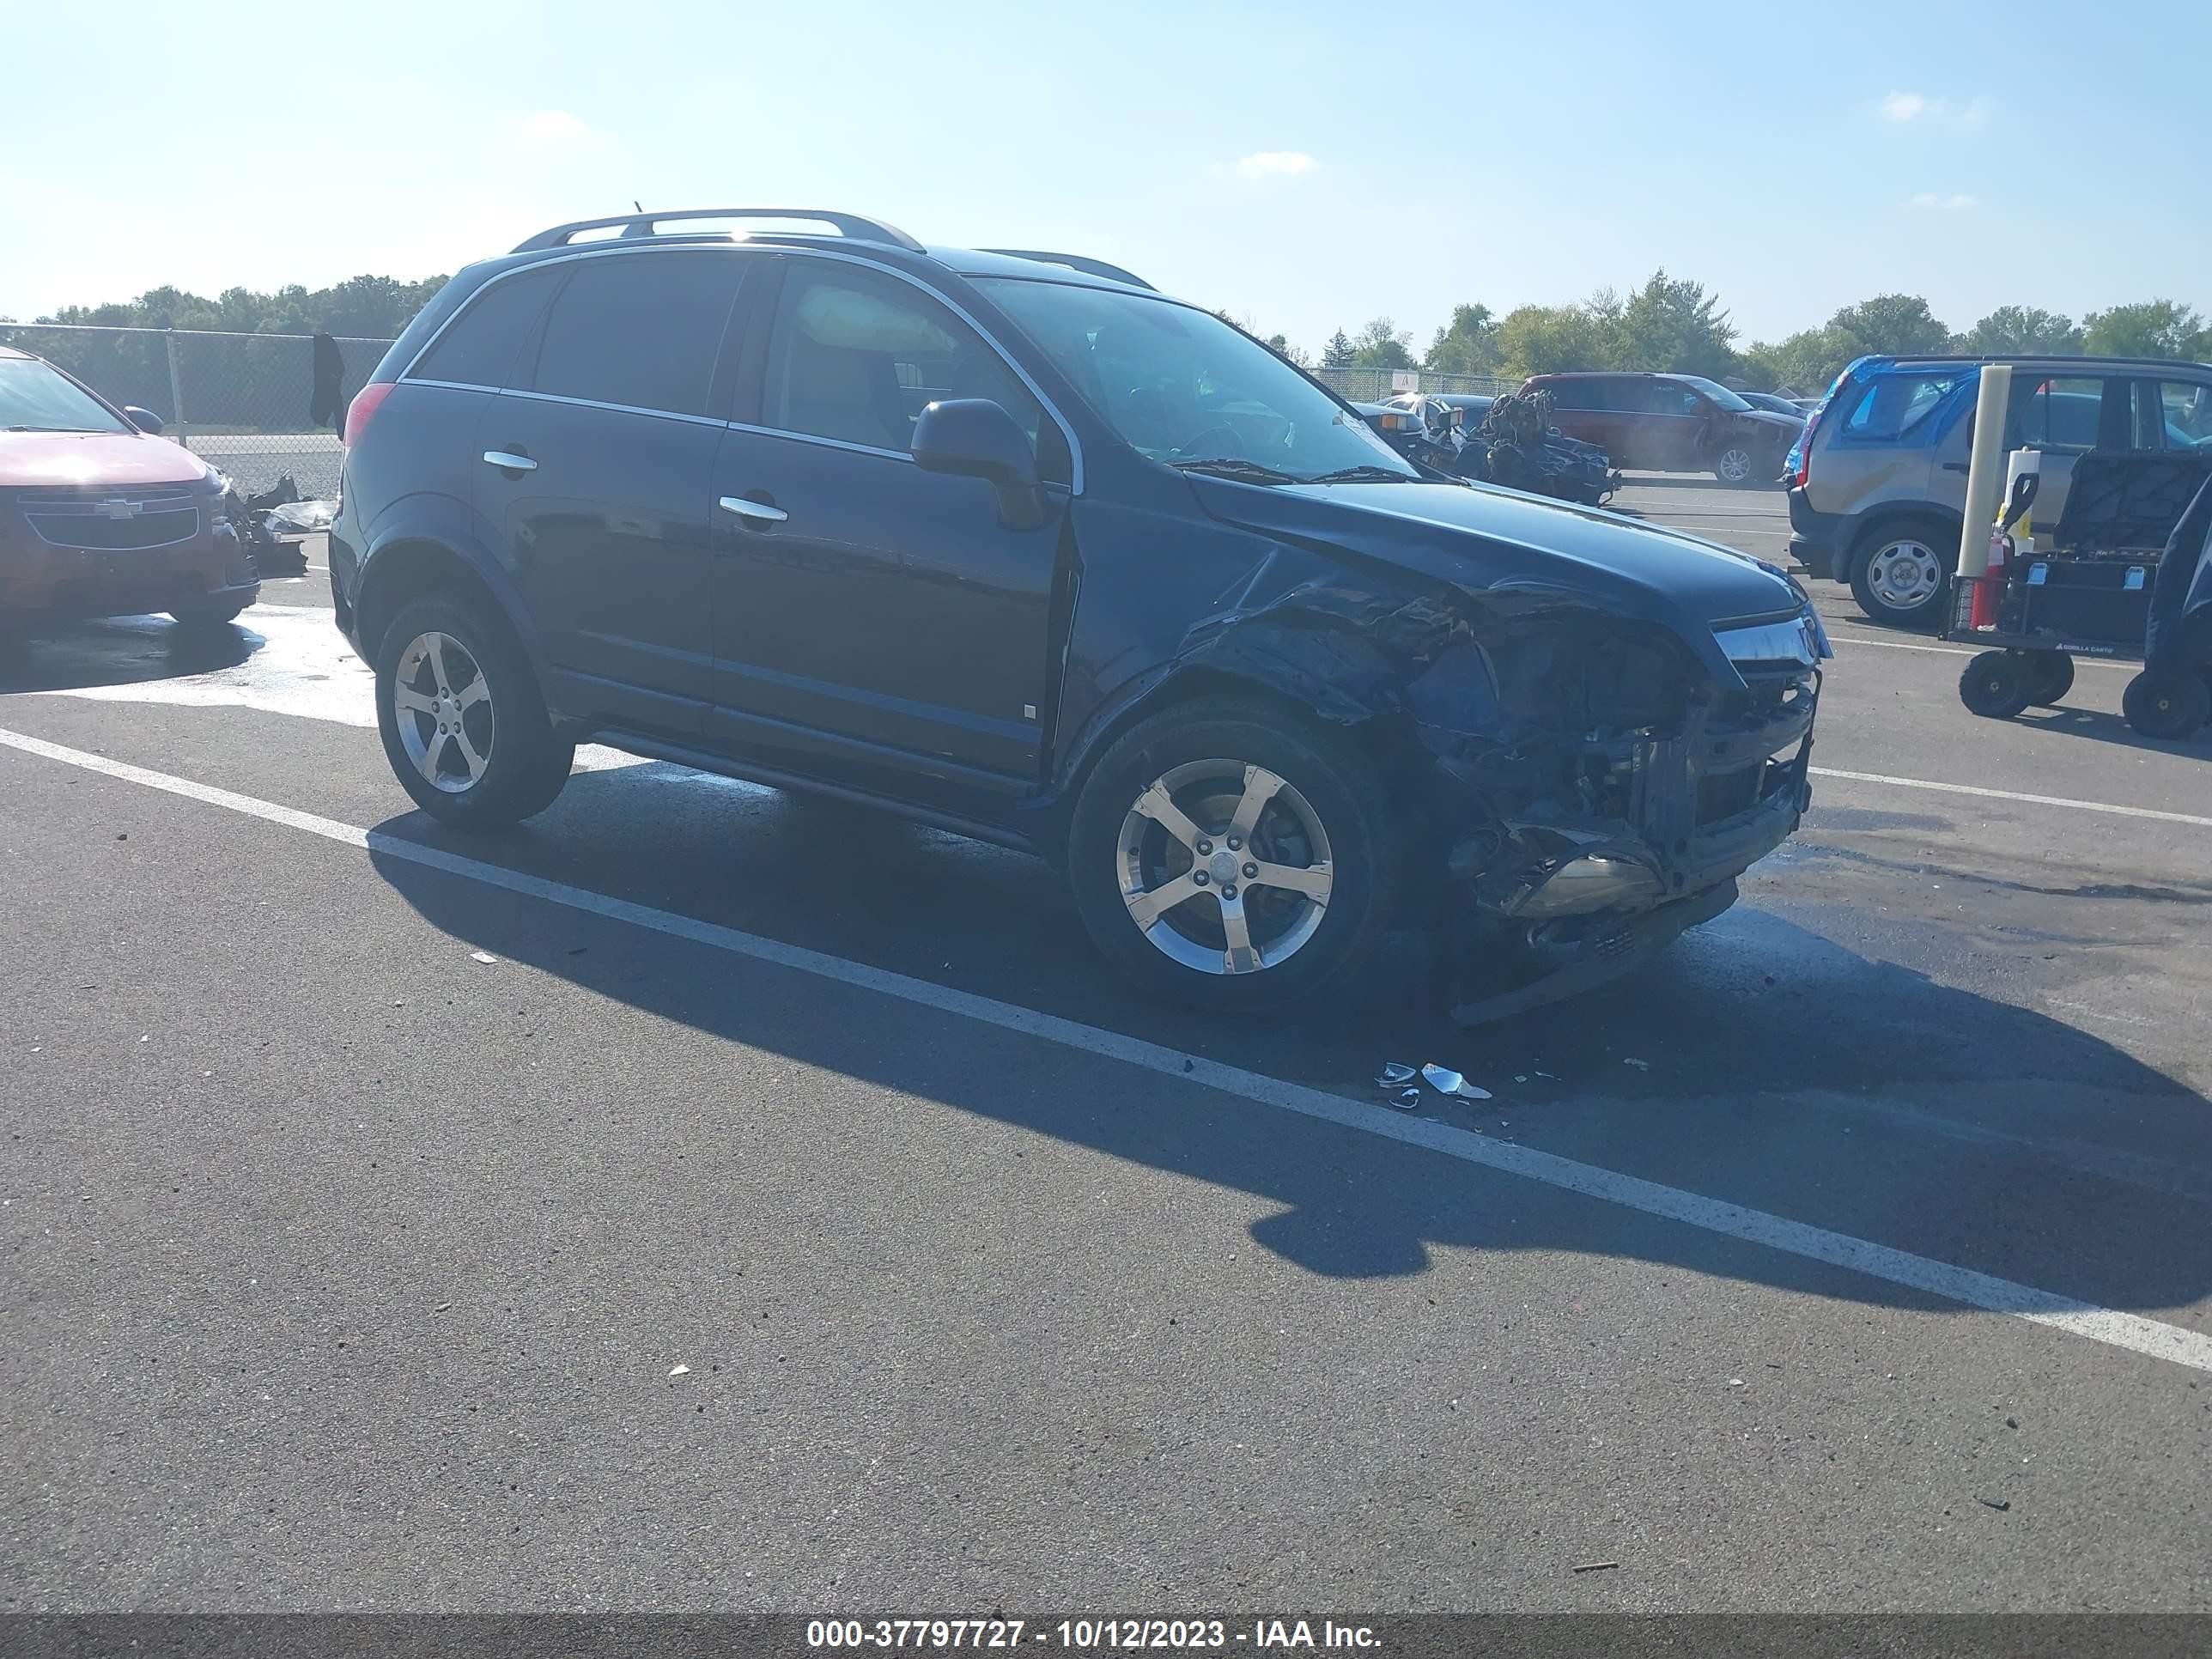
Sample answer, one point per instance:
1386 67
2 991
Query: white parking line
2009 795
1951 650
1956 1284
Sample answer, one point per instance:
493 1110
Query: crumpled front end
1632 791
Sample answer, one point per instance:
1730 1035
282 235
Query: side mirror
144 419
976 438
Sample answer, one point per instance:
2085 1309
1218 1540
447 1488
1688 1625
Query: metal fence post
176 386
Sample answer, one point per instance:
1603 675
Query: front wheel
464 724
1231 859
2050 676
217 615
1997 685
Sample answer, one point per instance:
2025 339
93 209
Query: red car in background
98 517
1671 423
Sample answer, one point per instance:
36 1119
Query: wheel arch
405 566
1883 520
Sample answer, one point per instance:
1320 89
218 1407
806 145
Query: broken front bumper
1592 898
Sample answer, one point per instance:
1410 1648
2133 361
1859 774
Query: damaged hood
49 459
1782 425
1497 543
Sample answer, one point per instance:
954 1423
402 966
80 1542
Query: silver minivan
1878 483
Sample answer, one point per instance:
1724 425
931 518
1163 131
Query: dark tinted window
480 345
856 355
1576 394
2061 412
639 330
1672 398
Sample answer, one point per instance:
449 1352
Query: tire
1899 573
1324 816
2166 706
2050 678
500 762
1997 685
209 615
1736 465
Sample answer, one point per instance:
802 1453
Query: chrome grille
113 519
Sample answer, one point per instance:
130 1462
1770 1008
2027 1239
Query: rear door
863 608
598 465
1579 408
2065 416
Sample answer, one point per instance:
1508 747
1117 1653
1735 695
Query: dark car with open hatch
1013 544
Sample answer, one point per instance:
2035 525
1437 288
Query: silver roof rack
1089 267
635 225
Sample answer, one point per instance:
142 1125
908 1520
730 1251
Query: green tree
1381 344
1803 364
2150 328
1669 324
1281 346
1466 345
2021 329
1544 339
1337 354
1893 325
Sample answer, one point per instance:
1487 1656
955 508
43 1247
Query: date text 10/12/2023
1089 1635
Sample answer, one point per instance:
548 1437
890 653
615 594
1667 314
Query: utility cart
2127 577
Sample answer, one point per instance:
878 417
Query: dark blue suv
1014 545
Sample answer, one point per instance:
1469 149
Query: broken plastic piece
301 518
681 1370
1451 1083
1394 1075
1640 1065
482 956
1406 1099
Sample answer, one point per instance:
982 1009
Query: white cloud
1904 108
1275 164
1928 198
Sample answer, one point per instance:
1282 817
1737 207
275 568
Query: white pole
1985 470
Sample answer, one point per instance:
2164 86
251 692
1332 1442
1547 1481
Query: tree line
360 307
1675 324
1669 324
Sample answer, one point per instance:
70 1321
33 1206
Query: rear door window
1575 394
642 331
1890 406
2182 414
2059 413
481 344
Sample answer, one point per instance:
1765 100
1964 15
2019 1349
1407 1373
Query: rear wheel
1900 574
2166 705
1997 685
2050 678
1230 859
464 724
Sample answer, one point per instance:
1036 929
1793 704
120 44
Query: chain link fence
1372 386
245 403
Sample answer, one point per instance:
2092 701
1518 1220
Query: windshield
1719 393
34 398
1184 387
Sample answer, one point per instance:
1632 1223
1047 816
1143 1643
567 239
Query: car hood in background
1789 425
1500 543
90 459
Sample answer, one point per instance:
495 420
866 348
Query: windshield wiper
1365 474
1234 466
53 428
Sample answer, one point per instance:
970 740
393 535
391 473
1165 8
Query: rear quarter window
482 343
1890 407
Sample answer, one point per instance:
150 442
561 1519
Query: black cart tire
1901 573
1997 685
2051 676
2167 706
1278 837
462 720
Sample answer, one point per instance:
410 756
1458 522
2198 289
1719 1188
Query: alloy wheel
1224 867
443 707
1734 465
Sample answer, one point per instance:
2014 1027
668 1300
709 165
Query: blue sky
1304 166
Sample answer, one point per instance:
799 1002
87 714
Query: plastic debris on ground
1407 1099
1640 1065
1446 1082
1394 1075
302 517
681 1370
482 956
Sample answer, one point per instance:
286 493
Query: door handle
506 461
758 512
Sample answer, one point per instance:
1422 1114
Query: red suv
1671 423
100 518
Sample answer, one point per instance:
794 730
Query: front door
2064 416
866 608
599 465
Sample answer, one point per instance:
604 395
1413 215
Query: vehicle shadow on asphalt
2101 727
1763 1062
121 651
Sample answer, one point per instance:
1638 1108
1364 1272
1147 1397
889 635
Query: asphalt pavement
706 1199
